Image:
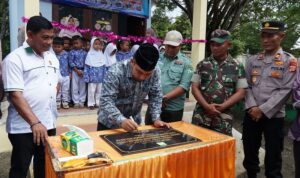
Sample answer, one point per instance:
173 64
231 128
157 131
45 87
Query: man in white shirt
30 76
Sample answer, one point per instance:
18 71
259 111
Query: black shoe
91 107
251 175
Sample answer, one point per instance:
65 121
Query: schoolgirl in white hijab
110 54
134 48
94 71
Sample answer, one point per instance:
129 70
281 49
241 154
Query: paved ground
87 119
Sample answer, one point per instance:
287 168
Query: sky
297 44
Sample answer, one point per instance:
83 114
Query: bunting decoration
110 36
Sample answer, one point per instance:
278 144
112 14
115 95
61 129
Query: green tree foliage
160 22
259 11
184 27
248 33
237 48
220 14
243 19
223 14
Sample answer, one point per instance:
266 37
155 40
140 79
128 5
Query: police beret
272 27
146 57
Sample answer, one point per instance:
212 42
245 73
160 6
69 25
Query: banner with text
130 7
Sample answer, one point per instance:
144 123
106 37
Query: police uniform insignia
277 57
293 65
179 62
279 63
273 26
267 24
276 74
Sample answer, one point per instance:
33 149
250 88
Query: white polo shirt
37 78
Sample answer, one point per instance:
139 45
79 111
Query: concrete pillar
31 8
150 14
199 30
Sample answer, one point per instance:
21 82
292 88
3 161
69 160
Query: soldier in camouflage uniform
218 83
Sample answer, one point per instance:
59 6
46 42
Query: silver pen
131 118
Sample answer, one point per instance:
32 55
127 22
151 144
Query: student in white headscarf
134 48
110 54
94 71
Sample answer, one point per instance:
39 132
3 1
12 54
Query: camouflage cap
272 27
220 36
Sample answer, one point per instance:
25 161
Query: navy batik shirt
122 96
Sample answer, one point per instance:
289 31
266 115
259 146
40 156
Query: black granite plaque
145 140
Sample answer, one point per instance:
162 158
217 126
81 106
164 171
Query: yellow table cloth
214 157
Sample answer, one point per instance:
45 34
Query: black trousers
297 158
166 116
22 152
274 135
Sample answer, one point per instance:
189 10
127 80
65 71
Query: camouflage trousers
221 123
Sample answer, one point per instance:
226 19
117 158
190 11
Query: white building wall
16 12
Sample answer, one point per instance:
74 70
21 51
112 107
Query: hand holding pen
129 124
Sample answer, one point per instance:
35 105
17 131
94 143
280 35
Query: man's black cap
272 27
146 56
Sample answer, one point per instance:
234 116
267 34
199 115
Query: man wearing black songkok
125 86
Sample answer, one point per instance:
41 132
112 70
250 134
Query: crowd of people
118 79
83 65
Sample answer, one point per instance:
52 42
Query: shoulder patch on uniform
190 69
278 57
293 65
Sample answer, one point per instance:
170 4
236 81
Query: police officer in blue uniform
270 75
